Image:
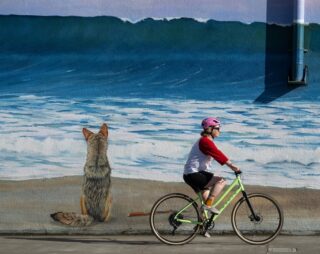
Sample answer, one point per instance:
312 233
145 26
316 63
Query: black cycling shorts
198 180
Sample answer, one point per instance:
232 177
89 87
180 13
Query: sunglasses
217 128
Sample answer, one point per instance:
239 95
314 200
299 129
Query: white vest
197 160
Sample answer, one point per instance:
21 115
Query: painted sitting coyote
96 199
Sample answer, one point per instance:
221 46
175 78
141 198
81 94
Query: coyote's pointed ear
86 133
104 130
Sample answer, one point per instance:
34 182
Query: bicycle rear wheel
265 226
166 219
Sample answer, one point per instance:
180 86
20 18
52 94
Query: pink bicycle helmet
210 122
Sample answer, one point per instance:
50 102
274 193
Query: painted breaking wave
112 35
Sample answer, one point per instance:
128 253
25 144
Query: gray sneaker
206 234
210 209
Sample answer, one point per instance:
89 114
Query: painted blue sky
276 11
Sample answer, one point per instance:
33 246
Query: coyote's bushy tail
72 219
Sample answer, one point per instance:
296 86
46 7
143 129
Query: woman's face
215 132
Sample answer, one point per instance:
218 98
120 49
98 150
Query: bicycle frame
236 183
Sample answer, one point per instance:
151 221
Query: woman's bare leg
218 184
205 194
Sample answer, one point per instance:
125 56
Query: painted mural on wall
152 72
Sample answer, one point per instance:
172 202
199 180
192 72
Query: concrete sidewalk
120 244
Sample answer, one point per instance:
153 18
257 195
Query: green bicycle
256 218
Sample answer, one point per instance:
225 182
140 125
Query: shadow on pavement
81 240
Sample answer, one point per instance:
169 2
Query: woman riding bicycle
175 218
196 170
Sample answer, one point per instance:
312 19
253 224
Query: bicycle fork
253 216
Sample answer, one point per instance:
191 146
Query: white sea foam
150 139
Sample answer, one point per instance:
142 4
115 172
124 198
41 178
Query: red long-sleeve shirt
208 147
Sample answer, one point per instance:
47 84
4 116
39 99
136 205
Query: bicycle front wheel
174 219
262 226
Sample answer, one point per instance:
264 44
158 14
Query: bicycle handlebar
238 172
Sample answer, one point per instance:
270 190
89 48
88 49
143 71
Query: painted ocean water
153 82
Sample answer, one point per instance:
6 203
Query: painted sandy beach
25 206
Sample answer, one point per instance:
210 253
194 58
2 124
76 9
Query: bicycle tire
257 231
162 220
